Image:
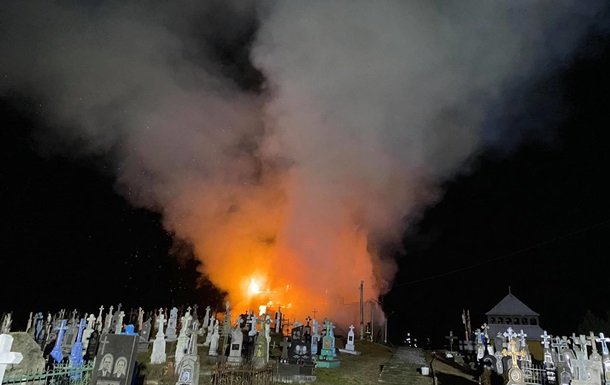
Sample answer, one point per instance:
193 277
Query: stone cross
592 343
140 319
99 319
6 356
477 332
522 336
451 337
27 328
91 321
253 329
285 345
509 333
119 322
603 339
484 327
513 353
161 320
545 339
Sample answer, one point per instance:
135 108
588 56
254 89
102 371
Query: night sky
530 210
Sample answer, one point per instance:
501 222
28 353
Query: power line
513 253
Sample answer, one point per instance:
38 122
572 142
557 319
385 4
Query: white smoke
369 105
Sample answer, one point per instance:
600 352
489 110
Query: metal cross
513 353
522 336
314 311
509 333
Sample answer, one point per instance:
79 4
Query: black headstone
115 360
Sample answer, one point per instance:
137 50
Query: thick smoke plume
367 107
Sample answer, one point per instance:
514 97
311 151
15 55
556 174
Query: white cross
603 339
6 356
545 339
509 333
485 327
252 321
592 342
522 336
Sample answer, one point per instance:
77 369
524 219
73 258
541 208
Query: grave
327 355
32 358
115 360
6 356
349 346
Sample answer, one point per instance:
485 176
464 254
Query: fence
59 374
534 374
243 375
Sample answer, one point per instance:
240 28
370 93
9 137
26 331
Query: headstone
605 355
210 331
88 331
33 360
99 325
215 336
158 355
171 325
350 339
315 337
237 339
261 351
327 354
57 353
285 345
107 321
76 355
253 330
188 367
143 342
115 360
278 321
451 337
6 356
119 322
515 375
7 321
116 320
91 351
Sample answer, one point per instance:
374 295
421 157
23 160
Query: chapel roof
511 305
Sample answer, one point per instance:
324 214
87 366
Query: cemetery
188 346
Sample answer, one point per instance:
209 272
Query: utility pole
362 310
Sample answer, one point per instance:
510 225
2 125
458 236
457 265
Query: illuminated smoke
368 106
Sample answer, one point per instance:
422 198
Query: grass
363 369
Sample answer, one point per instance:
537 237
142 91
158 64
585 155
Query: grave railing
245 374
58 374
534 374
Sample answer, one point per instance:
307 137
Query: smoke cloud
366 108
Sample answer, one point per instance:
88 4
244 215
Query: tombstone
171 325
350 339
115 360
181 344
99 324
118 328
296 335
327 354
261 351
605 355
6 356
76 355
285 354
107 321
57 353
253 330
140 320
215 336
116 320
143 342
88 331
237 338
91 350
206 320
451 337
515 375
188 367
315 337
32 358
158 355
278 321
210 330
7 321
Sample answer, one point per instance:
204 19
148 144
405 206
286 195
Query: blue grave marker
129 330
56 352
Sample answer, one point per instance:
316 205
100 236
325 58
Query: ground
354 370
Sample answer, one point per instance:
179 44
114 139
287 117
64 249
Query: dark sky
530 212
